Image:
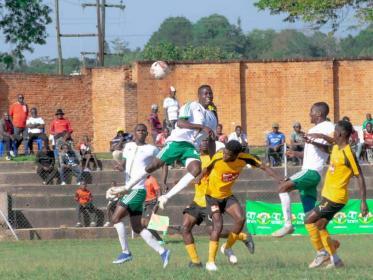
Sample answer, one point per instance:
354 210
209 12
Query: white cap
154 106
172 88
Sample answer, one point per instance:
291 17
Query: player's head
345 118
154 108
34 112
368 116
219 129
275 127
231 150
238 130
141 131
319 112
172 91
204 146
369 127
205 95
342 131
297 127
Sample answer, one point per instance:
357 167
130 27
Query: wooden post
58 35
99 32
103 11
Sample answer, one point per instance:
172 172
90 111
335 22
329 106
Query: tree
319 12
23 23
360 45
260 43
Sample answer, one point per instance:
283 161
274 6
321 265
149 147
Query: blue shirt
275 139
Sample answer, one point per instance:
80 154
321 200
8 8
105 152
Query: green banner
265 218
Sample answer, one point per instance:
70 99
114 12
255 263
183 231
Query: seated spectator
46 165
7 135
112 203
69 161
83 197
354 140
65 139
86 151
161 137
239 136
297 142
367 120
275 143
35 126
221 137
368 142
117 144
18 113
154 123
60 125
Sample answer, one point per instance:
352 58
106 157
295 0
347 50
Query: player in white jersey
195 122
137 155
314 158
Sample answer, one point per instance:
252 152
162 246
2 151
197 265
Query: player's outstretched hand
162 200
364 208
118 190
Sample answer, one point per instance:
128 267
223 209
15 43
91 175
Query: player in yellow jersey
343 165
224 168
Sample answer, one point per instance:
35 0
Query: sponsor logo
263 218
229 177
368 219
340 218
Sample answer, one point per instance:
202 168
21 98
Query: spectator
220 135
367 120
171 109
297 142
7 135
60 125
65 139
161 137
83 197
239 136
155 124
18 113
35 126
275 142
368 142
117 144
86 151
69 161
354 140
112 203
46 165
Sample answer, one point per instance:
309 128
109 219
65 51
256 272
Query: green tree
23 24
260 43
360 45
162 51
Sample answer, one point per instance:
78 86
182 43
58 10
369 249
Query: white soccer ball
159 70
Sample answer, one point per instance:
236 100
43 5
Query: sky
136 23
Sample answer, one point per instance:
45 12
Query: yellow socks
233 237
328 243
242 236
315 236
213 249
192 252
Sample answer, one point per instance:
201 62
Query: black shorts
219 205
198 212
327 209
148 208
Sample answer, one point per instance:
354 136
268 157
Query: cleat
123 257
210 266
165 257
319 260
195 265
332 265
283 231
249 243
232 259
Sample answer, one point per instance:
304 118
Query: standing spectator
171 109
7 135
83 197
354 140
368 142
86 151
46 165
110 207
155 124
367 120
117 144
69 161
18 113
36 126
220 135
297 141
275 143
239 136
161 137
60 125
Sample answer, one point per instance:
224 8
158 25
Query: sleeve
352 160
218 156
69 128
52 131
198 116
41 121
250 159
125 151
11 111
27 121
165 105
155 151
184 112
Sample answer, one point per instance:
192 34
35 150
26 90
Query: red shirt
60 125
161 139
18 113
368 139
152 187
83 196
155 124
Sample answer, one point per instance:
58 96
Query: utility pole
59 49
99 33
103 21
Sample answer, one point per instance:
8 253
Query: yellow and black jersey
341 168
200 192
223 174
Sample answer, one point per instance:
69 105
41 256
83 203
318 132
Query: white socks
121 230
183 183
286 207
151 241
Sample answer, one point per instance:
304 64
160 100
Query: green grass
91 259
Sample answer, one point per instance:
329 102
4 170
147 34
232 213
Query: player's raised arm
363 191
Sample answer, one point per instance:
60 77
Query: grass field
91 259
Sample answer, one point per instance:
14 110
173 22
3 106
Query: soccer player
195 122
137 155
306 180
224 168
343 165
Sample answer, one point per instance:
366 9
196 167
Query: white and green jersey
194 113
137 158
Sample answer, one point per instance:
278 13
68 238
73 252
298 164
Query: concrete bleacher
45 212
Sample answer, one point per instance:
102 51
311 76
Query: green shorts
306 182
173 151
134 201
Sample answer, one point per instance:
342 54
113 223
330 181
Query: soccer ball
159 70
